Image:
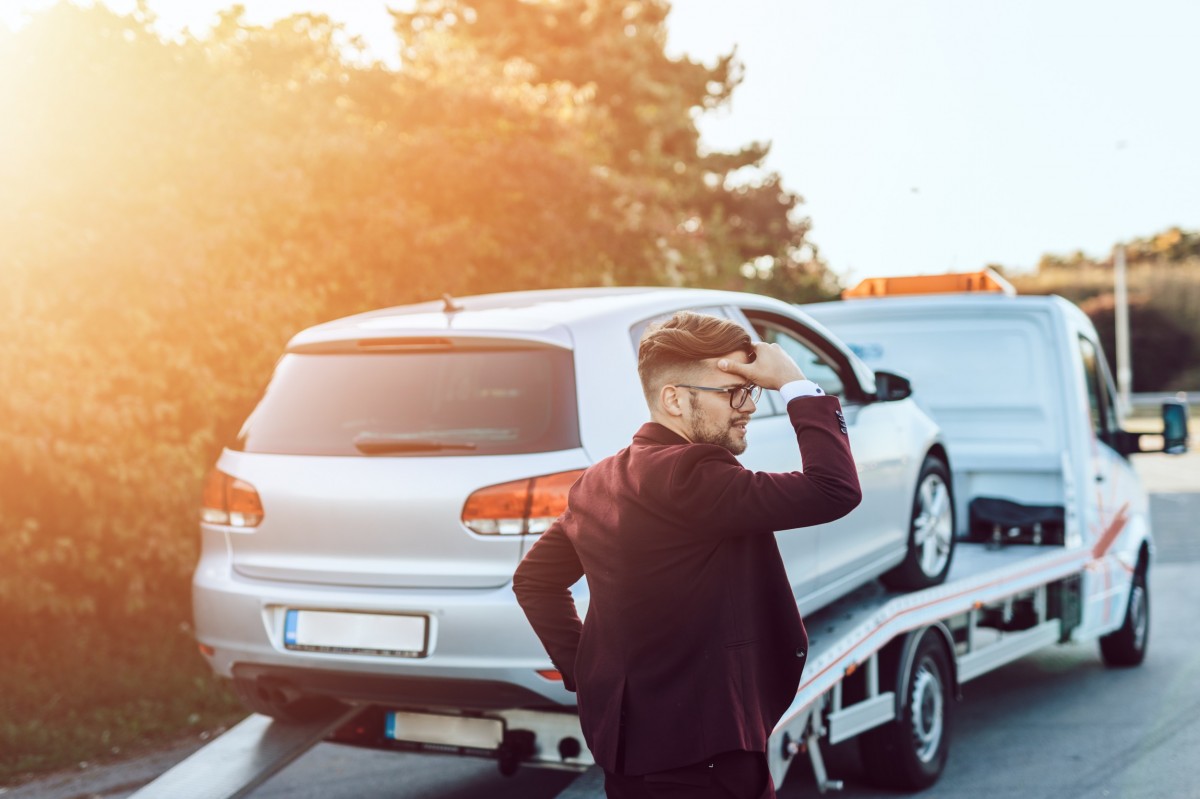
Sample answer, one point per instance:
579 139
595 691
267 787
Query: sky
927 135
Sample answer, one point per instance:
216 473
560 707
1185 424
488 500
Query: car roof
543 315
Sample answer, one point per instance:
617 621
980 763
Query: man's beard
706 430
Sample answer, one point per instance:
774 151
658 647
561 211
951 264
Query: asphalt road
1055 725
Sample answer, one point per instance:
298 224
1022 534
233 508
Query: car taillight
519 507
229 501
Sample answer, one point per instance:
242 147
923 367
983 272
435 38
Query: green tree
1173 246
173 211
1158 348
670 212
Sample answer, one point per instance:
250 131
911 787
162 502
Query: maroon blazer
693 644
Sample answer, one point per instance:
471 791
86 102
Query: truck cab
1024 396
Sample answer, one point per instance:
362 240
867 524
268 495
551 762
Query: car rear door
878 529
772 448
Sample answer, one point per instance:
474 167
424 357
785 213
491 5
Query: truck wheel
282 703
910 752
930 531
1127 645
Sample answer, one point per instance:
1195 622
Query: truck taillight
519 507
229 501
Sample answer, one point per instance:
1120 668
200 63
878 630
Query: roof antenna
449 305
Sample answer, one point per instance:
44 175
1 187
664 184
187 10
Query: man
693 646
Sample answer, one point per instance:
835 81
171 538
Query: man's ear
670 401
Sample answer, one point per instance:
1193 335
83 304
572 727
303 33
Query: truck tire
930 531
283 703
1127 645
910 752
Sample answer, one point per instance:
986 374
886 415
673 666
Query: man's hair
671 349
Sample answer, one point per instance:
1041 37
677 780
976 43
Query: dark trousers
729 775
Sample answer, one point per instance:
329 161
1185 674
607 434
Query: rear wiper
370 445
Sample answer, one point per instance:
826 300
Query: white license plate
356 633
468 732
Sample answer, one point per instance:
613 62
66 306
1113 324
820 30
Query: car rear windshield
448 402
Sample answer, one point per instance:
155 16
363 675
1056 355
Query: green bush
172 212
80 690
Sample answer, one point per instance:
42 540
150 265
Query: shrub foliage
172 211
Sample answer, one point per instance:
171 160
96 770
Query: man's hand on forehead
769 367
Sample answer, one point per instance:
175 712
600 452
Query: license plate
356 633
467 732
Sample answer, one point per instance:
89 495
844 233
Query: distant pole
1124 372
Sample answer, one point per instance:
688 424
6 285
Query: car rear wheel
931 531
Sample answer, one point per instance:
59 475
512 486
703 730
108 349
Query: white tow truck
1053 546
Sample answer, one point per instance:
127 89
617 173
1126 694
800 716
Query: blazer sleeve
542 584
725 498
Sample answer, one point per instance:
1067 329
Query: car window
815 365
1101 403
638 329
770 404
446 402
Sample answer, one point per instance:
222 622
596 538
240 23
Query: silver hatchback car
360 536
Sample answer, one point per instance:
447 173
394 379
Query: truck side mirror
1175 427
890 386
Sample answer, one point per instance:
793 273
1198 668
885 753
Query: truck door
1118 500
1108 466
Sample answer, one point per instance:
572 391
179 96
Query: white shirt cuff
800 388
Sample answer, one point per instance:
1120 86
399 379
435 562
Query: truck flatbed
851 629
849 635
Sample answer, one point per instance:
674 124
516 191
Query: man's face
708 417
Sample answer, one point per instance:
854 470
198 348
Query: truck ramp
243 758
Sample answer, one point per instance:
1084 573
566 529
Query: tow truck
1053 546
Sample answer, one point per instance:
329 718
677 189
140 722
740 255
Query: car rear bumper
399 691
482 652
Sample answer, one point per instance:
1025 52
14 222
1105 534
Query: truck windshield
416 404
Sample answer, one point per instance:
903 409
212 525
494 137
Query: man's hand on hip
771 368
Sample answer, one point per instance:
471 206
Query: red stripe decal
1106 540
1111 532
1067 556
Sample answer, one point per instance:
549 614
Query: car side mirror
1175 427
890 386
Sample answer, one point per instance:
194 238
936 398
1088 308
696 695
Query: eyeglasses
737 395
